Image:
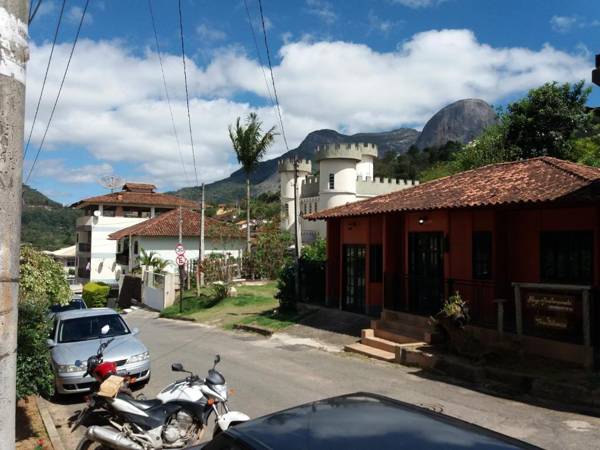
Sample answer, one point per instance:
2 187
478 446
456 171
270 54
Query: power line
59 91
187 95
166 90
264 29
37 108
262 67
33 11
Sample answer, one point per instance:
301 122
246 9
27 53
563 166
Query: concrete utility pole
14 53
201 249
298 246
180 267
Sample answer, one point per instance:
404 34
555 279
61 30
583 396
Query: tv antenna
111 182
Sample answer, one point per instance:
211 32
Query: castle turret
339 167
285 168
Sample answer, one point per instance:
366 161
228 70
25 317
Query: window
376 264
482 255
136 248
331 181
566 256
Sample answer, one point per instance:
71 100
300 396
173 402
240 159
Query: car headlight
69 368
137 358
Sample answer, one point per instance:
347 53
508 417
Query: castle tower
285 168
340 165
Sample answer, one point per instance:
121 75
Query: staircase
392 334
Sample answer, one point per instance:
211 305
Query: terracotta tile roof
167 224
533 180
136 198
139 187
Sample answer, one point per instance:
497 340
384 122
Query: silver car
76 336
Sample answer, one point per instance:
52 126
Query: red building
519 241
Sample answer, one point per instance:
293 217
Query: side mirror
105 329
217 360
177 367
50 343
135 331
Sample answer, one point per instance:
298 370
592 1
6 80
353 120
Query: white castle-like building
345 175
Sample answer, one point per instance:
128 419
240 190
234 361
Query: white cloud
380 25
211 34
563 24
74 15
115 109
322 9
88 173
418 3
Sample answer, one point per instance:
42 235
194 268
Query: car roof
364 420
89 312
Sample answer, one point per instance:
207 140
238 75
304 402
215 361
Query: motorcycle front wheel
87 444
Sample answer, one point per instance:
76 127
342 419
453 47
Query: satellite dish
111 182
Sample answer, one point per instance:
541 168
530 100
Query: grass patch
250 300
274 320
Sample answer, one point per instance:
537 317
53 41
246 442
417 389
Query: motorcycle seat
141 404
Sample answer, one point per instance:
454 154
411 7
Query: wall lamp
422 220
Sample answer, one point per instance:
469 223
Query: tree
250 145
146 259
543 122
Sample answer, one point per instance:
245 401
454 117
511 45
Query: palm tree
160 264
250 145
146 259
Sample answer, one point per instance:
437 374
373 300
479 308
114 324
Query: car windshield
87 328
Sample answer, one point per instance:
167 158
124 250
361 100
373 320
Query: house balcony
84 223
84 247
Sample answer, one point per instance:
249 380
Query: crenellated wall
380 185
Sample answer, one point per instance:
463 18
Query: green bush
220 290
34 373
286 293
95 294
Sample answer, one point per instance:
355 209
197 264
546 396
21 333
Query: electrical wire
164 79
264 29
37 108
187 95
33 11
59 91
262 66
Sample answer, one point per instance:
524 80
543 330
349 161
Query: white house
96 254
345 175
161 235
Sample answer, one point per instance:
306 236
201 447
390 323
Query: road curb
55 439
253 329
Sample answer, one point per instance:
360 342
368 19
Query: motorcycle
178 417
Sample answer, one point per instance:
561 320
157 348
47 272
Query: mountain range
461 122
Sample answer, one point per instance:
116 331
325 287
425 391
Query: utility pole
298 246
180 267
201 247
13 58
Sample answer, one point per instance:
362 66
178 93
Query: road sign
181 260
179 249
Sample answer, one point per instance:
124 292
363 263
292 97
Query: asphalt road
283 371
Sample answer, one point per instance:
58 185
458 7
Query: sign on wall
553 315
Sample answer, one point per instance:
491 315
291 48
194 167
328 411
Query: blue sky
349 65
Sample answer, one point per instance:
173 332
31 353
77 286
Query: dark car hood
366 421
121 348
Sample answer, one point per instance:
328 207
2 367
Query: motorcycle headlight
69 368
220 389
140 357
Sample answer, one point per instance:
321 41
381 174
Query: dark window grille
566 256
331 181
376 264
482 255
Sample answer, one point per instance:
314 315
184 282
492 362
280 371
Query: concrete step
409 319
412 331
371 352
394 337
381 344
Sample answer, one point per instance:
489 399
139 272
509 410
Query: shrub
286 287
455 309
95 294
34 373
220 290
